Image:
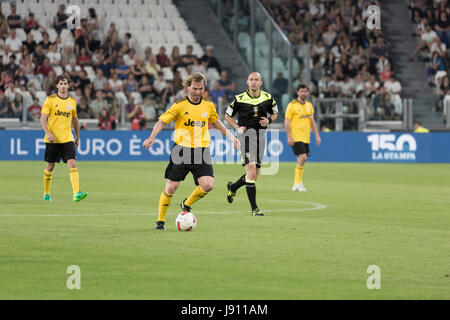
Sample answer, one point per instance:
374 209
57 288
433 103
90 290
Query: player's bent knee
72 164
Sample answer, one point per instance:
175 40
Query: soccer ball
186 221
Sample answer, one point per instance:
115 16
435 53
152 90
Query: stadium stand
118 38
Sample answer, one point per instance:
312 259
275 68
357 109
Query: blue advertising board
335 147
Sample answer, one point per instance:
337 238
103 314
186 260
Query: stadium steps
397 30
203 23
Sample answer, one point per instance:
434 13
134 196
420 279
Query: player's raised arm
221 127
156 130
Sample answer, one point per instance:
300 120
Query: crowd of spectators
100 66
348 59
431 21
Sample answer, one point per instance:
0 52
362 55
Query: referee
252 108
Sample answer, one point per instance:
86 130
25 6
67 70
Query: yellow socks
196 195
47 181
298 174
164 203
75 180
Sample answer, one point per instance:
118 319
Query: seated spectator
216 93
379 49
138 118
32 24
4 106
84 58
129 107
198 67
45 68
107 66
394 88
147 90
14 20
149 108
53 55
175 59
109 93
224 83
29 43
427 39
17 106
442 27
210 60
130 85
130 58
148 53
371 86
11 91
92 23
160 84
83 109
122 69
436 64
38 56
34 111
83 81
138 69
49 83
386 74
13 42
168 93
60 20
128 44
152 68
98 104
188 57
67 55
99 80
45 43
21 80
442 91
12 68
106 121
115 83
161 58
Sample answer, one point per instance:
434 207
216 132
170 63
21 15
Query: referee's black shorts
184 160
301 148
253 144
55 151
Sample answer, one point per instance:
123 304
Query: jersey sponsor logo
304 116
62 113
191 123
388 147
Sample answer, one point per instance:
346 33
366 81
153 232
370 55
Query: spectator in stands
160 84
152 68
224 83
54 56
34 111
379 49
168 94
138 69
129 107
107 66
98 104
130 58
279 87
146 89
371 86
17 106
4 106
99 80
188 58
109 93
149 108
386 74
13 42
67 55
161 58
14 20
442 91
60 20
106 121
115 83
175 59
436 64
148 53
83 109
217 92
12 67
130 85
92 23
84 58
45 68
138 118
442 27
394 88
38 56
21 80
427 39
49 83
32 24
418 128
45 43
211 61
122 69
29 43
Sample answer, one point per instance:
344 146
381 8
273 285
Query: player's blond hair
196 77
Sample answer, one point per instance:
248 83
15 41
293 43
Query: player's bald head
254 75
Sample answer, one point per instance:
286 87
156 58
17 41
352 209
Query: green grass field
313 245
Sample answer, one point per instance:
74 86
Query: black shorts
301 148
184 160
55 151
253 144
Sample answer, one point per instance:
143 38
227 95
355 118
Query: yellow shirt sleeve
289 113
170 114
46 106
213 117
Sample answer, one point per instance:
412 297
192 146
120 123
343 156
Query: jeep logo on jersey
62 113
191 123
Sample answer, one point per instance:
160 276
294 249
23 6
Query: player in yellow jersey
190 152
299 120
58 115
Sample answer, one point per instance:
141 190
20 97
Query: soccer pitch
313 245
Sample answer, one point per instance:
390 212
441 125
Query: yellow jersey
421 130
191 122
60 113
300 116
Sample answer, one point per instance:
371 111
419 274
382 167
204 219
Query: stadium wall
336 147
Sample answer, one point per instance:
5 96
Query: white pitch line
315 206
